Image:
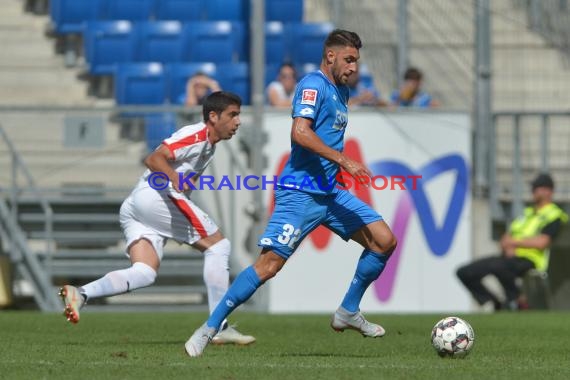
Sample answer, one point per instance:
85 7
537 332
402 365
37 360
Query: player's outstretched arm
303 135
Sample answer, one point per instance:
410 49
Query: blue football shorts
297 213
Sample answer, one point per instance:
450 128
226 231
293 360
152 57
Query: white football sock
216 271
139 275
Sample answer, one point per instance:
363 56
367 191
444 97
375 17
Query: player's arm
159 161
303 135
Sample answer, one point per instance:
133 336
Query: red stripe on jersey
190 215
195 138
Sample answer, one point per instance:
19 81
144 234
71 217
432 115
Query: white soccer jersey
157 215
191 151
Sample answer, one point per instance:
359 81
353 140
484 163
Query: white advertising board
432 220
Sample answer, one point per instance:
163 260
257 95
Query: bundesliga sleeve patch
309 97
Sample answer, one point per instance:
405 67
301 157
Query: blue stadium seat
305 69
133 10
180 10
271 72
107 43
284 10
365 76
68 16
234 10
306 41
234 77
159 41
178 75
275 43
140 83
214 41
158 126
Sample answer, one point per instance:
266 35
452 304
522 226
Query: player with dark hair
319 122
152 214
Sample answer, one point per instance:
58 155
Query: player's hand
176 185
361 173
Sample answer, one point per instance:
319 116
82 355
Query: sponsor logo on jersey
266 241
341 120
309 97
307 111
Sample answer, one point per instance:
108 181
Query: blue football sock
243 287
369 267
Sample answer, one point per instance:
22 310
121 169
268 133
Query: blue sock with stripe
369 267
243 287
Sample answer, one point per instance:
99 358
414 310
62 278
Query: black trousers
505 269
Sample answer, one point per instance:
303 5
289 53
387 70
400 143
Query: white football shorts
161 215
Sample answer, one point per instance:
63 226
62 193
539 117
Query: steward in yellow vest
525 246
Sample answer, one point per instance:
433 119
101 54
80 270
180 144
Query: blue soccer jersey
317 98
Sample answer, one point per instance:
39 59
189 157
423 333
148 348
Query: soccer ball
452 337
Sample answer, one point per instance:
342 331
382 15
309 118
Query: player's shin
216 271
139 275
370 266
243 287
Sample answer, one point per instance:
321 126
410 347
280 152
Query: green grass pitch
526 345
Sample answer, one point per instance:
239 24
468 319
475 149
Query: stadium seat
68 16
284 10
158 126
271 72
365 76
133 10
178 75
275 43
159 41
235 10
214 41
107 43
305 41
140 83
234 77
305 69
180 10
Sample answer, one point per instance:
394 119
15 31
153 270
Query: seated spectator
281 91
524 247
363 92
410 93
198 88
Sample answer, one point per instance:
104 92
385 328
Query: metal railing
523 144
20 253
17 165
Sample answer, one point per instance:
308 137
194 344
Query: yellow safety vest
529 225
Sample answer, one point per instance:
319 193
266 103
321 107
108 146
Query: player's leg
354 219
216 249
144 248
243 287
295 215
471 275
140 274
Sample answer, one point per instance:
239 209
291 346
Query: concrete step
30 71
